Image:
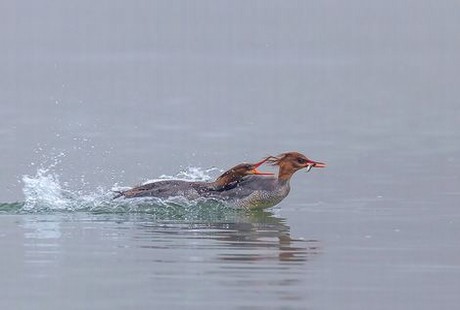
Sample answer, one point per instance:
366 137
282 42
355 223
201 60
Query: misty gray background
132 90
118 92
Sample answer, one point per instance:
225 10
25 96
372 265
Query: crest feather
275 160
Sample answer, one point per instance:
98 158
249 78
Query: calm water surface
98 95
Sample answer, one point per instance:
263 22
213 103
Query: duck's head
290 162
245 169
239 171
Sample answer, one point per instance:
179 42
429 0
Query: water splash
191 174
44 190
44 193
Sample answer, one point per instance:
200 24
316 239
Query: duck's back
166 189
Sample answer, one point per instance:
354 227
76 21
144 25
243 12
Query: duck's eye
301 161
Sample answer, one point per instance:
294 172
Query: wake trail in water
45 193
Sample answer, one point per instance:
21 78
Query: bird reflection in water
241 236
264 237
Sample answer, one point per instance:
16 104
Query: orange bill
255 171
314 164
256 165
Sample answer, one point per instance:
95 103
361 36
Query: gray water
99 95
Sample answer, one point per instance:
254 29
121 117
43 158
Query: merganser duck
193 190
264 192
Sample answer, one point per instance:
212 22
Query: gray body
251 192
255 192
169 188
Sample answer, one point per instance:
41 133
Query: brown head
290 162
239 171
